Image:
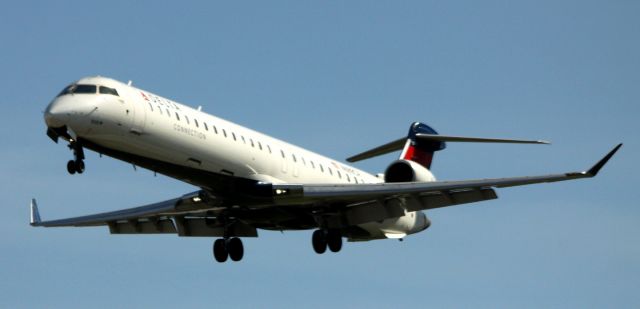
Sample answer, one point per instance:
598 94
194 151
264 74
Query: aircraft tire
235 248
79 165
71 167
319 241
220 250
334 240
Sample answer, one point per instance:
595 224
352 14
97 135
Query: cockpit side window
67 90
107 90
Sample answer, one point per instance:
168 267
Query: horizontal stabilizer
378 151
462 139
400 143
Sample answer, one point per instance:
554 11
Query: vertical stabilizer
421 150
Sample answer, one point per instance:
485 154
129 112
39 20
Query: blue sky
338 77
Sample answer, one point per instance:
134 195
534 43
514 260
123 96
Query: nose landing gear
76 165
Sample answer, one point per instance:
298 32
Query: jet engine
407 171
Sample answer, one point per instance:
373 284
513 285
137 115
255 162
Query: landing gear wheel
319 241
235 248
79 166
220 250
334 240
71 167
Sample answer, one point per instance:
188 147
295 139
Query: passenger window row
259 145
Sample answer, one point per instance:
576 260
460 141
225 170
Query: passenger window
224 132
294 157
339 174
186 118
269 148
196 122
312 164
330 171
206 127
282 153
150 106
243 140
303 161
260 145
356 179
177 116
215 129
107 90
168 112
234 136
251 140
321 167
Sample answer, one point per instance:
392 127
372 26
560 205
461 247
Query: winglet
593 171
35 214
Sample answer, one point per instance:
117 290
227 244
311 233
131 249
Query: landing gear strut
76 165
321 239
224 248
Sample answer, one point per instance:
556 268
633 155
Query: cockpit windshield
107 90
87 89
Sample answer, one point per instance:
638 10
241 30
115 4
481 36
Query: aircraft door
137 116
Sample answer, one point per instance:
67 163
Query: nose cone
57 113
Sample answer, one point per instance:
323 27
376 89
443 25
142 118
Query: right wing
185 216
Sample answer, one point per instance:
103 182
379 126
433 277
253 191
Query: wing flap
163 226
194 227
450 198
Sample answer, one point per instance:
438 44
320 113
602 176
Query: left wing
359 192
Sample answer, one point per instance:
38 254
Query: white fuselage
140 123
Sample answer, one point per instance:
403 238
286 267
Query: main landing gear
224 248
76 165
322 239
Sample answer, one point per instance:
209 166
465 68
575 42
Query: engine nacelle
407 171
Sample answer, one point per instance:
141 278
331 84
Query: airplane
249 181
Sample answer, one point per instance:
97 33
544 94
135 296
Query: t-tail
421 150
423 141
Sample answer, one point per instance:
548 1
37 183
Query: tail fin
418 149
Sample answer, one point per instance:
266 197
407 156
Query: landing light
196 199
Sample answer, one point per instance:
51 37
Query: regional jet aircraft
249 181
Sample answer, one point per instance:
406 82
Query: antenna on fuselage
199 107
129 83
